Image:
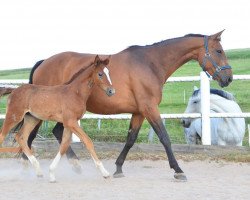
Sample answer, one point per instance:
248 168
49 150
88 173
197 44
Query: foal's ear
217 36
106 61
97 60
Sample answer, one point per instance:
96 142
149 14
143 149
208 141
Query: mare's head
213 60
101 75
218 102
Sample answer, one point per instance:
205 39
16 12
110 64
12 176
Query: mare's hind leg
64 145
22 137
73 159
134 127
74 127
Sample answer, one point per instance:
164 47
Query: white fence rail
205 111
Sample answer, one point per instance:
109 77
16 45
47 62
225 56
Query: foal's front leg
90 147
64 145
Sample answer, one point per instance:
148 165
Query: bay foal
62 103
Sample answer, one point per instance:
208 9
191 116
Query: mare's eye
219 51
195 102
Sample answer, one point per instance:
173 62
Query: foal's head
213 60
101 75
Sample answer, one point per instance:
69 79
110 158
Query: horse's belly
111 105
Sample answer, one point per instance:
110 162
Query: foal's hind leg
11 120
73 159
29 123
89 145
32 136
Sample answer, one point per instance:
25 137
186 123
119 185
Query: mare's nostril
230 79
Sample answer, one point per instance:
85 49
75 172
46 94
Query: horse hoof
76 167
118 175
52 180
180 177
106 177
25 164
39 175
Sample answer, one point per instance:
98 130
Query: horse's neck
83 84
174 53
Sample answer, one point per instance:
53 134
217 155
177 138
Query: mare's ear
196 88
97 60
217 36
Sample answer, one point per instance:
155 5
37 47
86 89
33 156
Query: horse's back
59 68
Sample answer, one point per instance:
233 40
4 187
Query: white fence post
205 109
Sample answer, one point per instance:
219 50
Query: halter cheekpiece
208 57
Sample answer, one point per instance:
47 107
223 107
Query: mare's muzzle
110 91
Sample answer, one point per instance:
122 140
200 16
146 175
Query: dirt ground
145 179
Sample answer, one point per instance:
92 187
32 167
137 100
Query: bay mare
139 74
61 103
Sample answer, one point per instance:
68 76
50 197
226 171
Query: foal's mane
220 93
78 73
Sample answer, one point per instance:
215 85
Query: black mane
78 73
194 35
220 93
163 42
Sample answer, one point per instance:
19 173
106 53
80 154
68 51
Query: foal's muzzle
110 91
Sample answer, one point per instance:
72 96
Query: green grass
15 74
175 97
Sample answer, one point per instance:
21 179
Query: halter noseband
208 57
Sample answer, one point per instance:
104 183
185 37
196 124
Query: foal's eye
100 74
219 51
195 102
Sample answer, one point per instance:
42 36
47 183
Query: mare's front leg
134 127
64 145
73 125
153 116
73 159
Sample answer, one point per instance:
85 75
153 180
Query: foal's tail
5 90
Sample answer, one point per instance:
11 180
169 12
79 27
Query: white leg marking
36 165
106 71
100 166
74 138
53 167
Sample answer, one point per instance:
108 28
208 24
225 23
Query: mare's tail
33 70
